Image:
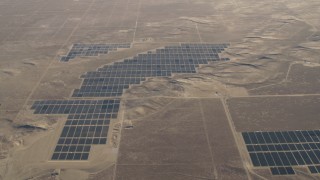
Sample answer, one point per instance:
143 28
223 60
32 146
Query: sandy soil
274 52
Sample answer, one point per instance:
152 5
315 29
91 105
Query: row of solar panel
85 52
281 137
150 64
72 148
105 81
194 47
96 47
285 158
85 131
109 88
78 106
73 50
106 87
148 72
75 102
283 147
99 90
146 67
108 84
139 74
282 171
104 115
74 109
92 48
128 67
142 73
114 45
171 54
115 80
178 54
92 89
201 46
224 45
142 70
93 116
186 50
161 58
70 156
134 72
89 116
172 60
166 59
82 141
169 60
85 122
95 94
66 105
174 56
90 85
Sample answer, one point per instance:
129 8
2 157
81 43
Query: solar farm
161 90
88 120
287 148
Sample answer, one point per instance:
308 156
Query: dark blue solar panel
284 150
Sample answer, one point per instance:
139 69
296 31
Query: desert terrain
182 126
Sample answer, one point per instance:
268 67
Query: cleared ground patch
275 113
185 134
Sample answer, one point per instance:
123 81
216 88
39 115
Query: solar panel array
87 124
88 120
282 150
85 50
111 80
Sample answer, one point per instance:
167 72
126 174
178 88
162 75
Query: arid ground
186 126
